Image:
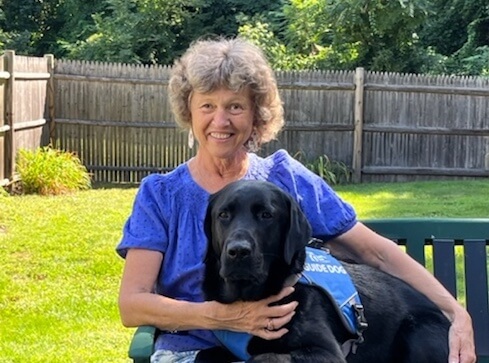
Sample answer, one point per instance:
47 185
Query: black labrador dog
257 237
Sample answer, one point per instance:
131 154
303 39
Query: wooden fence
419 127
117 118
385 126
26 100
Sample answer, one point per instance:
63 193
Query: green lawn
419 199
60 276
59 273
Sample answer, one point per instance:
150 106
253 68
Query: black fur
257 236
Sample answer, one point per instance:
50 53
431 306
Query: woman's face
222 121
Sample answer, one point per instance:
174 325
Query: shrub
49 171
333 172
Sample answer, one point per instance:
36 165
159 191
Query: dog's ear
208 216
299 232
211 277
209 227
208 221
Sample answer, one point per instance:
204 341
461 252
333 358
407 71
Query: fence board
9 139
4 127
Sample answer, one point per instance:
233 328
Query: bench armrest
142 344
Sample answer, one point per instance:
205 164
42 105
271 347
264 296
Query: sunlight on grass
60 277
418 199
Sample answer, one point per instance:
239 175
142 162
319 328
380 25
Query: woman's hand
258 317
461 339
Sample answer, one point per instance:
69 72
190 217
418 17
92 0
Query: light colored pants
167 356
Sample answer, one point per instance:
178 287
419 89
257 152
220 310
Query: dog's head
256 239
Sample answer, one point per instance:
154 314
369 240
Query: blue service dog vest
323 270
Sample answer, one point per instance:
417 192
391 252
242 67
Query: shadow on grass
100 185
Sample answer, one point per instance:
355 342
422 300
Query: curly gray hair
232 63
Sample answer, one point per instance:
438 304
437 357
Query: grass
60 276
59 273
419 199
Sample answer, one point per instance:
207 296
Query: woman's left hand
461 339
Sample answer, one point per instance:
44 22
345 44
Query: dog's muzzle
239 260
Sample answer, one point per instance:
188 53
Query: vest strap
325 271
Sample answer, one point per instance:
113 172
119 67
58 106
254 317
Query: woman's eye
206 106
236 108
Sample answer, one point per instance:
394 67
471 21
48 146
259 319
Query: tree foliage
134 31
378 35
37 27
446 30
458 32
434 36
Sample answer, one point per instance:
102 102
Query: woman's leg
167 356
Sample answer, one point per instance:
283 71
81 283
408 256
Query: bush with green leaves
48 171
333 172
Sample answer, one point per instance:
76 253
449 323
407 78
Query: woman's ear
299 232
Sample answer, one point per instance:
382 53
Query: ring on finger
270 325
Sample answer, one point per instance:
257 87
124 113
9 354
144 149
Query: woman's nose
221 117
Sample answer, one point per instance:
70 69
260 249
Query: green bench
459 247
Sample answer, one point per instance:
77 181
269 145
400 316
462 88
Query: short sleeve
327 213
146 227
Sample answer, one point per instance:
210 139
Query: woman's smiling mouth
220 135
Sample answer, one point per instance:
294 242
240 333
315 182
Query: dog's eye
266 215
223 215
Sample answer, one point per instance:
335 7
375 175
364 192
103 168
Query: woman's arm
139 305
365 246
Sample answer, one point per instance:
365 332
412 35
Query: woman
224 93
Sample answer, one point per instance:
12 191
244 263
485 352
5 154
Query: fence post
50 99
358 130
4 76
9 116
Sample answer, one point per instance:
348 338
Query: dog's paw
270 358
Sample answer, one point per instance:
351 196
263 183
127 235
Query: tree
135 31
379 35
37 27
19 31
384 32
221 17
458 36
446 30
157 31
430 36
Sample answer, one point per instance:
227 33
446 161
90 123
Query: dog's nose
238 250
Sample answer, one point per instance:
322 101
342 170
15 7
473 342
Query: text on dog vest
319 267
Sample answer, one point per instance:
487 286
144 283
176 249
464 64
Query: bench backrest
443 235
